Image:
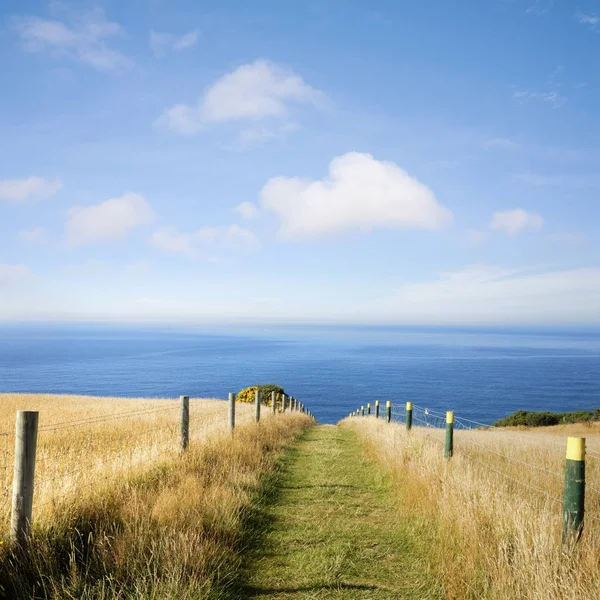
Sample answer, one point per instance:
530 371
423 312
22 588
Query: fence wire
88 452
495 450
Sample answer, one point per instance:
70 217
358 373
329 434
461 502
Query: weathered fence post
283 402
368 408
231 411
388 411
257 406
274 402
449 447
185 421
362 411
409 416
574 498
22 500
377 409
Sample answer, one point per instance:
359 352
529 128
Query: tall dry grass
493 513
120 513
83 440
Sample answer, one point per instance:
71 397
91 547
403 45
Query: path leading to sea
334 532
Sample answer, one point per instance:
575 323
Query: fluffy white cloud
359 194
254 91
198 243
248 210
11 275
585 19
515 221
29 189
37 235
109 220
162 42
484 294
82 37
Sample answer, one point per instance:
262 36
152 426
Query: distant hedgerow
527 418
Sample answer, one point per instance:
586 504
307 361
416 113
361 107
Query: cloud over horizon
360 193
108 221
252 92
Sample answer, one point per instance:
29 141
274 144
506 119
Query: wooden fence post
377 409
388 411
574 498
449 447
231 411
274 401
409 416
368 408
22 500
257 406
283 403
362 411
185 421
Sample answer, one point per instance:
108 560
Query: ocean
480 374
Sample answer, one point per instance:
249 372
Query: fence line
79 453
542 479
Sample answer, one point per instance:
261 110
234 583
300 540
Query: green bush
247 394
526 418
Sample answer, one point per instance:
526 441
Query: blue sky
408 163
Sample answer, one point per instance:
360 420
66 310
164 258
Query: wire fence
86 452
529 464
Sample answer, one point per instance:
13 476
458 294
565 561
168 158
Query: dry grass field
83 440
495 509
119 512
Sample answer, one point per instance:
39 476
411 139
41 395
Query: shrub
526 418
247 394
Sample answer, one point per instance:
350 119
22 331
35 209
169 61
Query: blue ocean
482 375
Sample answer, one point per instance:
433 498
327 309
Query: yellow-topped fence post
409 416
388 411
449 434
574 497
377 409
369 408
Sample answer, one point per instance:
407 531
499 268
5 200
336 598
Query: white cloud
29 189
360 194
584 19
515 221
163 42
110 220
248 210
199 243
482 294
81 36
252 92
552 97
502 144
37 235
14 275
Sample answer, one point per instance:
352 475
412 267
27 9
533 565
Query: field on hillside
495 507
85 442
121 514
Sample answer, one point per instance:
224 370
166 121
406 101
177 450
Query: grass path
334 533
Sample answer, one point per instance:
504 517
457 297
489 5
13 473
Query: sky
381 162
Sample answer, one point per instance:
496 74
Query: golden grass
495 508
127 516
83 440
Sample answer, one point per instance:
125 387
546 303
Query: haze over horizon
423 164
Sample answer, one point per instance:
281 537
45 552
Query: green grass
334 531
